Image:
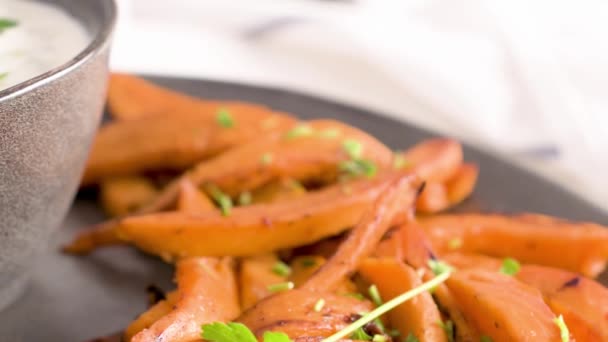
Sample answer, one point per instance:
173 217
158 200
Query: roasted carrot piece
434 198
474 261
255 277
153 314
175 140
409 243
192 200
536 239
123 195
420 315
434 160
260 228
582 301
207 293
503 308
448 306
302 319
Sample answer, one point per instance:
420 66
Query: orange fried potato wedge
418 316
303 267
437 196
448 306
280 190
207 293
582 301
535 239
254 229
123 195
503 308
255 277
192 200
176 140
434 160
153 314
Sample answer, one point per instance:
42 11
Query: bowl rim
99 41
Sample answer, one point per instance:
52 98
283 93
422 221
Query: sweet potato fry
255 277
259 228
279 190
176 140
418 316
301 319
449 307
437 196
123 195
503 308
207 293
434 160
408 243
582 301
192 200
303 267
131 97
535 239
153 314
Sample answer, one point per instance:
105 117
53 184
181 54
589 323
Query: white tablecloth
527 80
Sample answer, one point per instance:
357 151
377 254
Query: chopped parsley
411 338
319 305
563 328
379 338
360 334
6 23
399 162
223 200
448 327
237 332
3 75
374 294
302 130
245 198
308 262
439 267
510 266
280 287
224 118
355 295
353 148
485 338
266 158
281 269
358 167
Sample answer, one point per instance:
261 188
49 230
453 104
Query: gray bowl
46 127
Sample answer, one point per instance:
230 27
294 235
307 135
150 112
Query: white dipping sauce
44 38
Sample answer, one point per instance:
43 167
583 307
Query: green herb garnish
510 266
563 328
379 338
245 198
280 287
448 327
308 262
319 305
3 75
374 294
394 333
485 338
399 162
223 200
411 338
388 306
299 131
266 158
360 334
237 332
224 118
358 167
353 148
355 295
281 269
6 23
439 267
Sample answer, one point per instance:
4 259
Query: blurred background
527 80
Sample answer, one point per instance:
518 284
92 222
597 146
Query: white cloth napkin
527 80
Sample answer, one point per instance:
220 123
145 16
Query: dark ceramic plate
78 298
